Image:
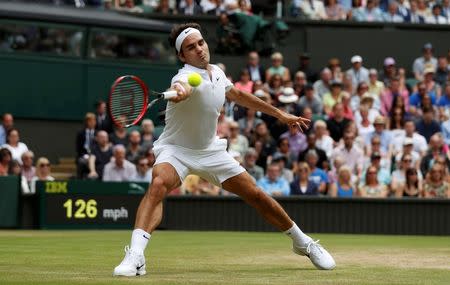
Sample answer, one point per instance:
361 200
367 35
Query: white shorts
215 165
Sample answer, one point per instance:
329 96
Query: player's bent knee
158 189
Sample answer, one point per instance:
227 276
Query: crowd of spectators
408 11
373 133
17 159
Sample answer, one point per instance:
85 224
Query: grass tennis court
88 257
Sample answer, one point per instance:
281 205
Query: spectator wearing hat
302 184
353 155
391 15
277 67
304 66
389 95
334 96
249 164
389 70
317 175
337 123
436 17
323 140
427 126
408 149
416 99
358 73
426 60
273 183
254 67
380 130
311 100
322 85
288 101
376 86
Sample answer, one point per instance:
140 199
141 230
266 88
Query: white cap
288 96
356 58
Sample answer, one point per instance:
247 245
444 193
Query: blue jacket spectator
302 184
427 126
273 183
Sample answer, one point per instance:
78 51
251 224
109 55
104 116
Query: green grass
88 257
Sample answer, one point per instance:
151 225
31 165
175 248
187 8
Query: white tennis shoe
317 254
133 264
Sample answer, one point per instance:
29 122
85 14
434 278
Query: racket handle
170 94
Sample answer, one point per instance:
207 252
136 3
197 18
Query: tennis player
189 144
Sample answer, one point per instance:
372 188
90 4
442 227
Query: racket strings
127 101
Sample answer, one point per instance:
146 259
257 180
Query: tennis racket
128 100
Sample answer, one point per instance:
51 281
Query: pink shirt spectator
247 87
387 97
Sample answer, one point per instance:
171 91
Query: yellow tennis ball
194 79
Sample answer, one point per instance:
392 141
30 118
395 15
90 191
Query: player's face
195 51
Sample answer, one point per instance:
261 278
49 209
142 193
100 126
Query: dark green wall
9 201
65 89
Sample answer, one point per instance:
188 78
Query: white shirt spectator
33 183
114 173
419 143
441 20
325 143
16 151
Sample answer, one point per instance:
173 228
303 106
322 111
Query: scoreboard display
88 204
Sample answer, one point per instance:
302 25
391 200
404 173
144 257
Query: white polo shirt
192 123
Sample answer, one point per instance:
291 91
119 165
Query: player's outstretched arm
250 101
184 90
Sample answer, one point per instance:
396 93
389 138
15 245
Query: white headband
186 32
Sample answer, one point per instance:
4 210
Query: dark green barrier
9 201
88 204
92 204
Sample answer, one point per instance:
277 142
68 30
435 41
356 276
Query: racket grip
170 94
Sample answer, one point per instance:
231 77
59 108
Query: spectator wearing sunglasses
43 172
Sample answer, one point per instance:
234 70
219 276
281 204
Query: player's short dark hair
177 29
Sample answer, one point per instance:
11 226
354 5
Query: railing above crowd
401 11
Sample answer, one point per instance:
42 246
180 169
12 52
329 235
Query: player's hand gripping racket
128 100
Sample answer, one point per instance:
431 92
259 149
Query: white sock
296 234
139 240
